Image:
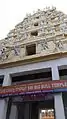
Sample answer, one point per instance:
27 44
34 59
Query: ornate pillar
58 102
4 102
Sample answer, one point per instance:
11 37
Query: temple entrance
36 110
34 105
32 110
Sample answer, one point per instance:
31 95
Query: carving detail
42 46
51 35
58 45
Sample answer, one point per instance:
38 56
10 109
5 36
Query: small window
34 33
42 21
37 17
65 35
47 22
1 80
31 49
36 24
52 18
57 25
15 36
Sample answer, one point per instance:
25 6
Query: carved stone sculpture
46 29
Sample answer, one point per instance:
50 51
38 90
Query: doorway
36 110
47 110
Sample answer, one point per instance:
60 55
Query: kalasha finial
47 8
38 10
27 14
53 8
34 12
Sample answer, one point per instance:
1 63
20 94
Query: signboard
34 88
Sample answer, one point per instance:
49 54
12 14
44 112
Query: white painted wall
34 66
58 101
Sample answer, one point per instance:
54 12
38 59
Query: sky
13 12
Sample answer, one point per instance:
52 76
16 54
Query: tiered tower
42 35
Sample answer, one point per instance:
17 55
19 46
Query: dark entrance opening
35 110
31 49
30 108
34 33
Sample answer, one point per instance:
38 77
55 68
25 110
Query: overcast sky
13 11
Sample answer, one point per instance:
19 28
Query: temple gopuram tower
33 67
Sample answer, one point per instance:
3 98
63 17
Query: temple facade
33 67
